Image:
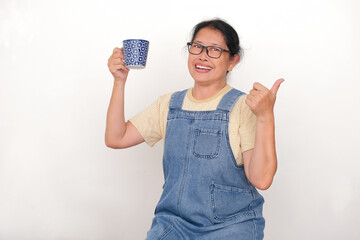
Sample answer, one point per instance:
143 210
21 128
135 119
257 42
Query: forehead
210 36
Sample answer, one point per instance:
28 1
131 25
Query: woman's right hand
117 66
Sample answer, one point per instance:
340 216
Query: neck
203 91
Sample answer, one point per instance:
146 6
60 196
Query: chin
200 77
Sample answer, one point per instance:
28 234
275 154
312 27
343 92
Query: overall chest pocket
207 143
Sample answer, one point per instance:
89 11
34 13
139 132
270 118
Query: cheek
190 63
224 65
220 65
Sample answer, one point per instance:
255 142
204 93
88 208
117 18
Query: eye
195 45
215 49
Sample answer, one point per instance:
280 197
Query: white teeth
202 67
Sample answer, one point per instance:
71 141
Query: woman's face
208 70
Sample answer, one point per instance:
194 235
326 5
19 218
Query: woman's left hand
262 100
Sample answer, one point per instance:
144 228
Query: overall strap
177 99
228 101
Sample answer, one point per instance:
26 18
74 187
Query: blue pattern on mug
135 51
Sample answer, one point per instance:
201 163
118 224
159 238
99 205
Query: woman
219 143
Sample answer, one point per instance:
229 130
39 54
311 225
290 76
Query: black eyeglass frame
189 44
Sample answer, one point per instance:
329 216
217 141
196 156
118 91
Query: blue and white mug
135 53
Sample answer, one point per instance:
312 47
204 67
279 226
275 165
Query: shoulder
165 98
241 108
240 103
163 101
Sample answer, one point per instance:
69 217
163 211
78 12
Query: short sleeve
151 122
147 123
247 127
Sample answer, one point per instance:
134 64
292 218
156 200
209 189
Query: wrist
119 86
265 118
119 82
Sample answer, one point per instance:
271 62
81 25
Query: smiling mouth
202 67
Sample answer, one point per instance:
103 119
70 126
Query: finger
274 89
113 58
259 86
118 66
249 103
117 61
251 98
252 92
118 53
116 50
122 66
126 69
116 58
115 67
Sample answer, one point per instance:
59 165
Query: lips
202 68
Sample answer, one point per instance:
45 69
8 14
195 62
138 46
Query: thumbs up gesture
262 100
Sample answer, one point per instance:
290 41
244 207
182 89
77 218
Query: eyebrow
213 44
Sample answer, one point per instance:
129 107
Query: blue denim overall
206 195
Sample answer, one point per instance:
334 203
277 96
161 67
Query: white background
59 181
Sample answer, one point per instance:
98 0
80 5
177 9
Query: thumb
274 89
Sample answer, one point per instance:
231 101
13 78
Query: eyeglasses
212 51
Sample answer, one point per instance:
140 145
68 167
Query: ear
234 60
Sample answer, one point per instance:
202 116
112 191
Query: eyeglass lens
196 48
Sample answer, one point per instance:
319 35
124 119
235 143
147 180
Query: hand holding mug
117 66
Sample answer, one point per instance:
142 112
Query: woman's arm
260 163
119 134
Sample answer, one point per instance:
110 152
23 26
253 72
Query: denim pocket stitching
224 188
231 189
167 231
213 132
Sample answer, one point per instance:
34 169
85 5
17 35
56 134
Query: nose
204 54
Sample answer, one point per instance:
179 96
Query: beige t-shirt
151 122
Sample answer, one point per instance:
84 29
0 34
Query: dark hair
231 37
